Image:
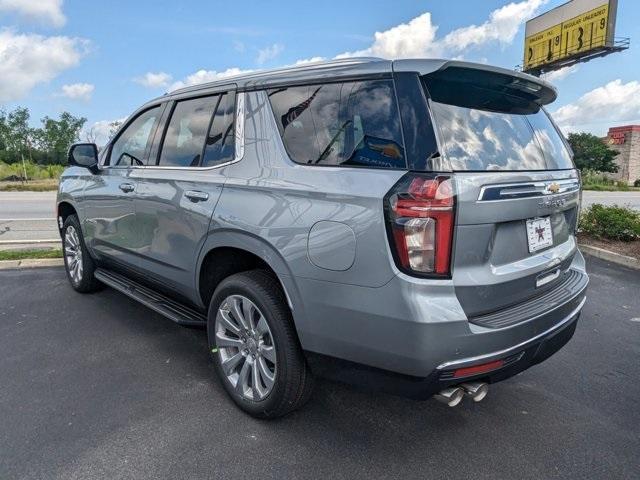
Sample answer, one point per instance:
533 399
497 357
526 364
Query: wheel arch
63 211
248 252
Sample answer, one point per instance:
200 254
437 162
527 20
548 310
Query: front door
110 225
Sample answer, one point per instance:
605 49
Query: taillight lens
420 215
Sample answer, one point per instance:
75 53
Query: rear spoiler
475 85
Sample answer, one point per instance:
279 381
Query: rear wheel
77 261
255 347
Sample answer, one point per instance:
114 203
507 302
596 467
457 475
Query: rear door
517 189
181 185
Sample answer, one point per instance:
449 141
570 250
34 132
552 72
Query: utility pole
24 168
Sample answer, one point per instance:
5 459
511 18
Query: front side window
130 147
350 124
185 135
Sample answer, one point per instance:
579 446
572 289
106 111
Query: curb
31 263
30 242
612 257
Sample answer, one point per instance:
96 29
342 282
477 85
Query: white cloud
154 79
413 39
100 132
205 76
502 26
269 53
305 61
598 109
27 60
557 75
418 37
43 11
78 91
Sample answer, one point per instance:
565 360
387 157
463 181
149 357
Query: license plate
539 234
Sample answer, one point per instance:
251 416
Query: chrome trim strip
489 356
239 145
240 116
514 191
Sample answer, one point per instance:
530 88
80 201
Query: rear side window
351 124
185 135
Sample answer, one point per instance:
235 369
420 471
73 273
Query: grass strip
31 253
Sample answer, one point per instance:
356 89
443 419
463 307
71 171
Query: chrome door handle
127 187
196 196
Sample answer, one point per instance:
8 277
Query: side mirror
84 155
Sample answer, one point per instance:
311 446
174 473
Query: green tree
590 152
113 128
15 135
4 131
56 136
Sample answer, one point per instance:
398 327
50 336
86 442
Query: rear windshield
493 121
473 139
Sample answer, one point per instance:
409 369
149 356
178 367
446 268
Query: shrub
594 180
613 223
16 171
637 183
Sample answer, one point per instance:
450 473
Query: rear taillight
420 215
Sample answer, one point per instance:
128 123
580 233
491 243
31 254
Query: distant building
626 141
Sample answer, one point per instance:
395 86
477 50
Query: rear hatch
517 191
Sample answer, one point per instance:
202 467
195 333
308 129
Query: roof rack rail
291 68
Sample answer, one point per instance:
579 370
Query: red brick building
626 140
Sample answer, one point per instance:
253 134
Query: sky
102 59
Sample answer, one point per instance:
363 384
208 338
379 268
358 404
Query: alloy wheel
245 347
73 253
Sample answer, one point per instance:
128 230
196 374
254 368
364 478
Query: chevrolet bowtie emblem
554 188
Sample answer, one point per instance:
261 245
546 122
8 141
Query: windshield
473 139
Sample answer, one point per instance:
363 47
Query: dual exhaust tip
452 396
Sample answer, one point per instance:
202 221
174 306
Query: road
27 216
97 386
629 199
30 215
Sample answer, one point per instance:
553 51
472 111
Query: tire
78 264
262 388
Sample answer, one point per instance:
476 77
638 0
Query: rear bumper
411 334
517 358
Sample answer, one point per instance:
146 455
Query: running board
162 304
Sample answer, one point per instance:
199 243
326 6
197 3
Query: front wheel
77 261
255 347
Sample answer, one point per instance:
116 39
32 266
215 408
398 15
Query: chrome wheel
73 253
245 347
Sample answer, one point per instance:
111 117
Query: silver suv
407 226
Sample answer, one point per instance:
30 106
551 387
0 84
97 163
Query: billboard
572 32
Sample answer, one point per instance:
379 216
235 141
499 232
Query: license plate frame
539 233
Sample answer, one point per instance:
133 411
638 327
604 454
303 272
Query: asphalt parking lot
97 386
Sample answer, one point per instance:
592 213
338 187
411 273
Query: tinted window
474 139
185 135
351 124
220 140
130 146
553 146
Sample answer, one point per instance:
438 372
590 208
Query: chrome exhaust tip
451 396
476 390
